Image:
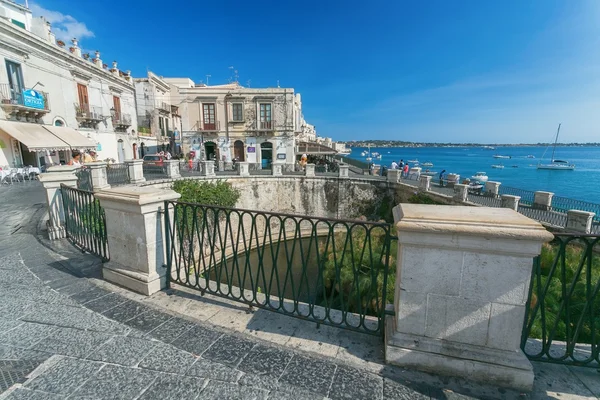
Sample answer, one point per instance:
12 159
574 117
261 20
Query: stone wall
328 197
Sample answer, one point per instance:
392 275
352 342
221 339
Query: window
237 110
117 107
82 94
15 81
209 116
18 23
265 116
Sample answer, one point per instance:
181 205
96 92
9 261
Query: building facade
50 92
158 118
227 122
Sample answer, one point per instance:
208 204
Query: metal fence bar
564 204
152 172
562 316
84 179
329 271
526 195
85 222
117 174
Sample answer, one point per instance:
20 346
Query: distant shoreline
393 143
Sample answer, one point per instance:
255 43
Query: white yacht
554 163
480 177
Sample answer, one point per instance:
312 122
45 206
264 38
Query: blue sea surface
519 171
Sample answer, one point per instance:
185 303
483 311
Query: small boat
427 164
515 166
413 161
530 156
498 166
554 163
480 177
500 156
378 157
364 153
369 159
429 173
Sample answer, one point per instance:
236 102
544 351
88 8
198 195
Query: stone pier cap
128 196
465 227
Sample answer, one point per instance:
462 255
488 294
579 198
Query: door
15 81
210 151
121 148
238 150
209 117
135 152
84 103
266 154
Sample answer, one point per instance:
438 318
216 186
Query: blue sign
99 147
33 99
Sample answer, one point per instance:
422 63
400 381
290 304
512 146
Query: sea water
519 171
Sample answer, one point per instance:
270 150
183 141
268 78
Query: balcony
121 121
88 116
263 126
207 126
24 103
162 106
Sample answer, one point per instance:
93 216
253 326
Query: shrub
218 193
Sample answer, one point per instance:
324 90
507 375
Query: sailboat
554 163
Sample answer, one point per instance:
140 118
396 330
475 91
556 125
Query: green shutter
18 23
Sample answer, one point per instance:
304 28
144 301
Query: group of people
78 158
401 166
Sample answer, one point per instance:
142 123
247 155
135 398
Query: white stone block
542 200
393 175
424 182
344 170
510 201
428 271
309 170
413 313
579 221
460 192
136 171
503 318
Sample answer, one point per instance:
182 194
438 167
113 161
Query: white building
54 99
224 122
158 117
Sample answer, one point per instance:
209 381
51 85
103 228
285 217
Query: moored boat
500 156
480 177
427 164
498 166
559 165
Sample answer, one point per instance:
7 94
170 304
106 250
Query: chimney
114 69
77 49
97 60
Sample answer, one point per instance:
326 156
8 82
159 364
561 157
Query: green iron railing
85 222
562 318
333 272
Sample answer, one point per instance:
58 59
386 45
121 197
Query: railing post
309 170
221 165
172 167
243 168
208 168
135 234
51 181
492 189
579 221
460 192
136 171
276 169
344 170
425 183
393 175
542 200
453 179
99 175
455 313
510 201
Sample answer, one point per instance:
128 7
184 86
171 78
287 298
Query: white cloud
65 27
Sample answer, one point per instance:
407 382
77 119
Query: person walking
401 164
442 178
394 165
406 170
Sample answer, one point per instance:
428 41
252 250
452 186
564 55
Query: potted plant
60 43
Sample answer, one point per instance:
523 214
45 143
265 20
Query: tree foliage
219 193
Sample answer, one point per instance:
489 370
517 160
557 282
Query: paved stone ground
62 336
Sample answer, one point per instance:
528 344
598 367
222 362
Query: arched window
59 122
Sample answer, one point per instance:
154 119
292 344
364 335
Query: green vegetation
354 273
560 284
421 198
218 193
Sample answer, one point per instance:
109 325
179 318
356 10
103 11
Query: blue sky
453 71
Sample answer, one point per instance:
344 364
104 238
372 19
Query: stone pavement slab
166 358
123 350
115 382
170 387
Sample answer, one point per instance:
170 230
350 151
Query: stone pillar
394 175
579 221
542 200
172 167
51 181
208 168
460 192
492 189
462 283
510 201
276 169
136 171
309 170
344 170
99 175
221 166
135 233
453 179
425 183
243 168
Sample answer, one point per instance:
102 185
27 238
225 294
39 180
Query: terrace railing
117 174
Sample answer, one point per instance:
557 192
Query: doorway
135 151
211 152
238 150
121 150
266 154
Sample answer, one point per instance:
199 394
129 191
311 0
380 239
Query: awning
46 137
75 139
34 136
